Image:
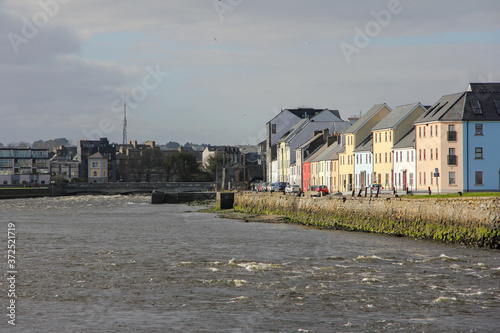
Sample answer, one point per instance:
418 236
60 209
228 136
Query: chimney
326 132
135 143
331 139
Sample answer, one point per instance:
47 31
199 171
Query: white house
405 163
363 164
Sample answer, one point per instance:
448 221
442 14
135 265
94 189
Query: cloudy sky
216 71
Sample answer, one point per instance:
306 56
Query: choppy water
119 264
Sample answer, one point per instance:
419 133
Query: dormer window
476 106
497 104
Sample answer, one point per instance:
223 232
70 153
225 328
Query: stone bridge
132 188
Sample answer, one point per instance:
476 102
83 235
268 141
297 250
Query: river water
120 264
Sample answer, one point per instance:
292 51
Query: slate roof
96 155
365 145
313 155
326 152
463 106
365 118
292 132
392 120
407 141
305 112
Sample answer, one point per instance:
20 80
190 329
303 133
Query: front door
405 182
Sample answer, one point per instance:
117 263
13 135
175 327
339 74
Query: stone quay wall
470 221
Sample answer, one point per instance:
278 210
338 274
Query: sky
209 71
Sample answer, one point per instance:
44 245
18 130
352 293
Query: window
436 130
476 106
451 178
390 136
407 156
95 164
420 178
385 136
452 158
411 179
424 132
386 159
95 173
478 153
424 177
432 157
431 178
273 128
431 131
420 154
497 104
380 137
396 157
479 129
424 154
452 134
437 154
419 132
479 178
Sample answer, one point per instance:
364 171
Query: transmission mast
124 122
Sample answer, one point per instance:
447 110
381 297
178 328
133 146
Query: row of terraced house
450 146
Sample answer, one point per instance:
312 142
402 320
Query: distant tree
135 167
151 159
181 166
40 144
186 167
59 179
213 163
172 145
1 145
169 167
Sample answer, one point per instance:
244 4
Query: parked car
270 187
279 186
293 189
375 186
261 187
322 190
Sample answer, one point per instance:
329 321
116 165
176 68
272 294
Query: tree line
178 166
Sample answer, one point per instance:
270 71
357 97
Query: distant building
86 148
24 166
64 163
281 124
232 154
97 168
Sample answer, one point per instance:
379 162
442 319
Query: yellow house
356 134
386 133
98 168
